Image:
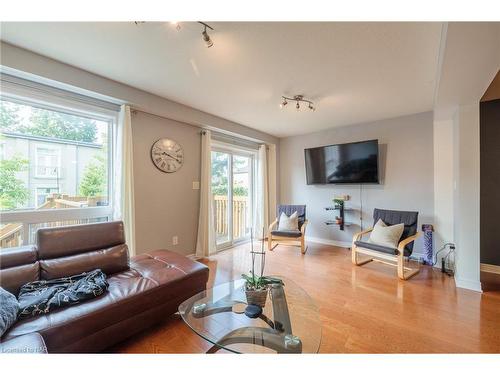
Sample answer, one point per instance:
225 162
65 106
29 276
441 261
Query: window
47 162
56 170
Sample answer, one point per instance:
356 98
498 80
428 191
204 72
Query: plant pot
256 297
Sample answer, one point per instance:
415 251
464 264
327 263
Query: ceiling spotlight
206 37
176 24
298 99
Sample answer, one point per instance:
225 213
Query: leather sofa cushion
31 343
63 241
17 256
158 278
110 261
12 279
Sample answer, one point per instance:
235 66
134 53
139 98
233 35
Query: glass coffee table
289 322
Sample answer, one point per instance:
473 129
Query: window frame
28 217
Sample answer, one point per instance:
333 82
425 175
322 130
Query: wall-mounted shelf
332 222
338 208
342 209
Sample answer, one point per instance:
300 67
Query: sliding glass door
232 185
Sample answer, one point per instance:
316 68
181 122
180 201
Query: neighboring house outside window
47 162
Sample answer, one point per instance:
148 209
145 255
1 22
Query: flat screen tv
348 163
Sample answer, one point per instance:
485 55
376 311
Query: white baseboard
329 242
468 284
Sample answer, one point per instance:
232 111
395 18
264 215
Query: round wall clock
167 155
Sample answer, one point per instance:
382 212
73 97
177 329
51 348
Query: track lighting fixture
298 99
206 37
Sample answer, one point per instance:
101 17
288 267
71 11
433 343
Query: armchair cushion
392 217
289 209
287 233
382 249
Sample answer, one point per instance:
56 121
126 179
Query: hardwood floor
363 309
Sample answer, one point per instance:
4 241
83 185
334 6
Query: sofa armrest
31 343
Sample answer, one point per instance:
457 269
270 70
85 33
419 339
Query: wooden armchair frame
301 239
392 260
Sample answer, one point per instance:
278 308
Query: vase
256 297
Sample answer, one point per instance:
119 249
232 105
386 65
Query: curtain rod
203 130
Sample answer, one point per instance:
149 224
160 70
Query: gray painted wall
406 172
165 203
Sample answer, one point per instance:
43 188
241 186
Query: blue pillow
9 308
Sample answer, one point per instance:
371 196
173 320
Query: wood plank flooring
363 309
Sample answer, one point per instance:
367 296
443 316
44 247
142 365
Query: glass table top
289 322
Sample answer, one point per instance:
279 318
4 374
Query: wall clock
167 155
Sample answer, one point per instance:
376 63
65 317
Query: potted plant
257 286
338 202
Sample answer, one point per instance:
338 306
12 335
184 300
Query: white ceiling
354 72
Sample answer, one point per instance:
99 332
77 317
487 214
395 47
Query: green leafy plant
253 281
338 202
260 282
13 193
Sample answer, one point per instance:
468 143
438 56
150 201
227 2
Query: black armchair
280 235
388 255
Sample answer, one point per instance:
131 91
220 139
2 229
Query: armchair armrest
406 241
273 224
303 227
357 236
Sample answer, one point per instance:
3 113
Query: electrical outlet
175 240
196 185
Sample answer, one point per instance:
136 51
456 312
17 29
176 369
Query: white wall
443 183
466 197
406 167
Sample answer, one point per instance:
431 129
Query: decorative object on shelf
297 99
167 155
338 220
257 287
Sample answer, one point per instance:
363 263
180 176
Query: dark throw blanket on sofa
41 297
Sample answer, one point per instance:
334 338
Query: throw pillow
289 222
9 308
384 235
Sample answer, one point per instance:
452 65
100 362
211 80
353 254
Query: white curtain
265 192
205 244
261 215
124 176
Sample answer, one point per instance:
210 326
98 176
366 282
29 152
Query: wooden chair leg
401 269
302 245
354 257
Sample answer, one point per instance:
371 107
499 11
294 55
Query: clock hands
169 155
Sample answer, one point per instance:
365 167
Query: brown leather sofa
143 289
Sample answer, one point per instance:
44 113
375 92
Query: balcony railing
240 216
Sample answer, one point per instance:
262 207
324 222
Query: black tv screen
348 163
